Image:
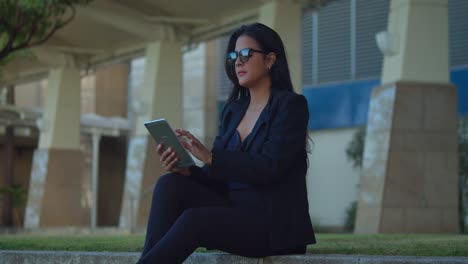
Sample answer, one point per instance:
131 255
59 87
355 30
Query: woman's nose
238 61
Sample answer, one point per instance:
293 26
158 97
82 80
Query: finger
184 133
186 145
197 144
190 148
169 150
191 136
169 159
193 140
170 165
166 154
178 131
173 162
159 149
180 137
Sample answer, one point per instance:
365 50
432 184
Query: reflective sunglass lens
244 52
231 57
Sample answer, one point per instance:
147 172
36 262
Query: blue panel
339 105
346 104
459 77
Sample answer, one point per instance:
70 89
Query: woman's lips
241 73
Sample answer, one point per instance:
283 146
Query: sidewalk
59 257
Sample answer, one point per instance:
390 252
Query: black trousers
186 214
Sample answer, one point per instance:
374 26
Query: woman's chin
244 83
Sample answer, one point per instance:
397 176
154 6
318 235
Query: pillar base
409 181
142 172
55 190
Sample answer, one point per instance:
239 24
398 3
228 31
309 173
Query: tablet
162 133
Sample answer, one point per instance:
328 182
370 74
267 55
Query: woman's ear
270 59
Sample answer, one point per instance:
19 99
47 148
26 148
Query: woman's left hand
195 146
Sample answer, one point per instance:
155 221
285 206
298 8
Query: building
337 66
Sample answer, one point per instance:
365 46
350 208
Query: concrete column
200 108
111 90
161 97
420 27
211 104
409 180
8 162
54 197
285 16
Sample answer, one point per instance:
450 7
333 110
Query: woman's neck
259 94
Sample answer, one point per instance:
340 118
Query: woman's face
255 70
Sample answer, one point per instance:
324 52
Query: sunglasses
243 54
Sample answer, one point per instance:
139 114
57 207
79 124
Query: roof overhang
110 30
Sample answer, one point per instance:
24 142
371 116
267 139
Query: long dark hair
269 41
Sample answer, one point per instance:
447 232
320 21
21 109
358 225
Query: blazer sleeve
286 139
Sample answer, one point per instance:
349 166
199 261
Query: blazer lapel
262 120
233 118
235 114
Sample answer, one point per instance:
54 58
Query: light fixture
388 43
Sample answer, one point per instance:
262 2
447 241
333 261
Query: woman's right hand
168 159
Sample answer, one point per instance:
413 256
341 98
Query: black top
235 144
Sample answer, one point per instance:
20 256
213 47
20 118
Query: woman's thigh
173 188
173 194
233 229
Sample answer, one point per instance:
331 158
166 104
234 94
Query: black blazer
273 160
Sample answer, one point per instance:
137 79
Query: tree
24 24
27 23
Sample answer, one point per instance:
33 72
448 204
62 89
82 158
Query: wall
332 182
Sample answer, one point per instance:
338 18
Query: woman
250 197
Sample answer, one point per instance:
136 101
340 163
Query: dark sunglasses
243 54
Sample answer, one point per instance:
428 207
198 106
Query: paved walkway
60 257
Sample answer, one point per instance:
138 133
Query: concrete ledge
61 231
59 257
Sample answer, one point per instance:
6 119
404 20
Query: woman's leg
237 230
173 194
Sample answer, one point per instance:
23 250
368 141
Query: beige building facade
82 167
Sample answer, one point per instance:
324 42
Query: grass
402 245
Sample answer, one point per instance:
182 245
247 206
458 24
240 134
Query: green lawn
415 245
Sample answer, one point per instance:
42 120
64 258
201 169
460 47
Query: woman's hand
195 146
168 159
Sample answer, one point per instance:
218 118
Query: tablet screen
162 133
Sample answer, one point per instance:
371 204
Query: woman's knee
170 180
194 220
169 183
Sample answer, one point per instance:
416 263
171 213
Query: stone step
71 257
